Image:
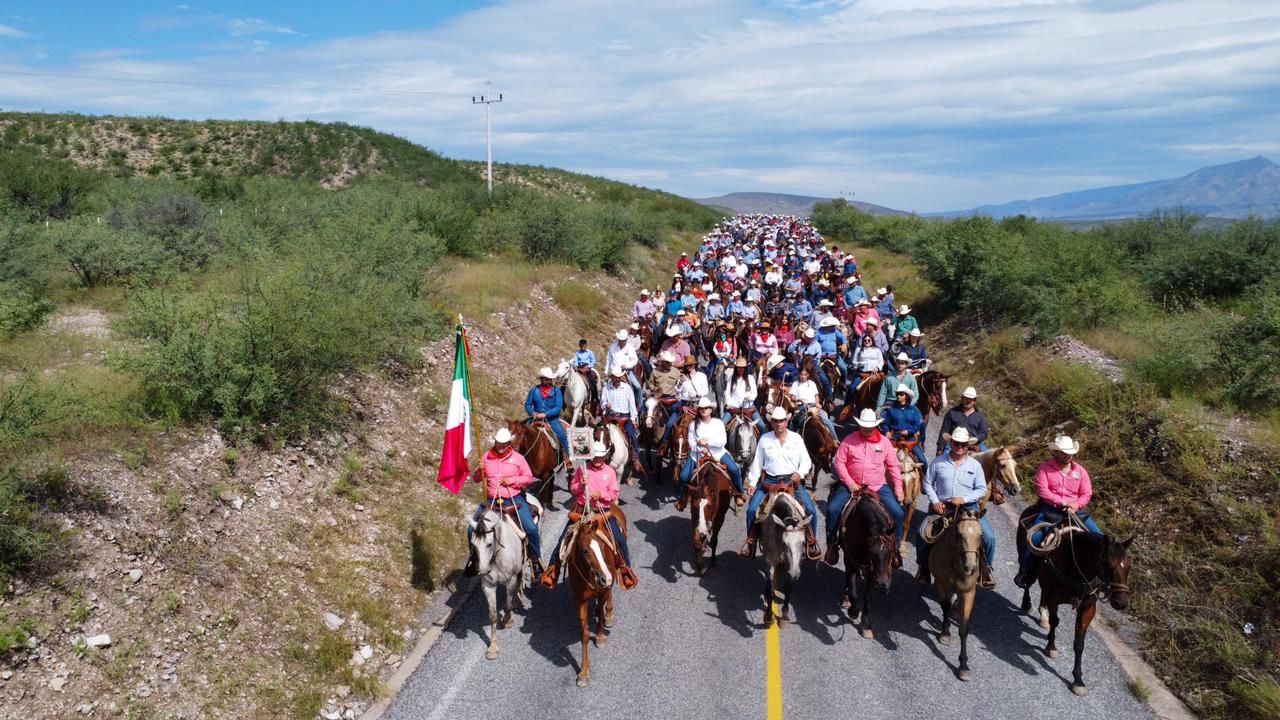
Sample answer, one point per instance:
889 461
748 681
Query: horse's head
1007 470
882 546
968 537
484 539
705 487
595 557
1116 568
517 428
791 524
936 390
563 371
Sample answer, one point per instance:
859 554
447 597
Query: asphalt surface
688 646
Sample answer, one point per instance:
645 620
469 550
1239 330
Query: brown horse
870 552
820 444
1079 570
537 443
1001 471
865 396
954 562
832 369
594 562
933 393
679 444
646 337
652 422
709 491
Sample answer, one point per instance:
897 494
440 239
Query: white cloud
254 26
11 32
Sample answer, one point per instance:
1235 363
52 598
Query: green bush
1250 354
22 307
42 187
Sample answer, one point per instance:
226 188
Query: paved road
686 646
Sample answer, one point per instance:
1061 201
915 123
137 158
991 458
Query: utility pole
487 100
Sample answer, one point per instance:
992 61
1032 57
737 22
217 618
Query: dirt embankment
214 581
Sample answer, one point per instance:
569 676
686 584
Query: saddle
903 444
778 492
511 513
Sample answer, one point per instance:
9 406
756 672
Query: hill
1234 190
783 204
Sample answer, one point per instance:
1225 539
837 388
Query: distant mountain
782 204
1233 190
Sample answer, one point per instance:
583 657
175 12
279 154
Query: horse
865 396
782 544
999 466
652 423
832 369
500 554
614 438
537 443
912 482
679 444
820 444
1077 567
646 335
870 552
593 562
954 562
742 436
776 395
709 491
933 393
576 393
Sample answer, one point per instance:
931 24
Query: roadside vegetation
1192 314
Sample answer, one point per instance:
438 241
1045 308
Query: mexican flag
457 432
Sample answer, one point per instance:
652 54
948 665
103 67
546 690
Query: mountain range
1233 190
783 204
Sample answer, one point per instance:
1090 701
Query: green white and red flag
457 428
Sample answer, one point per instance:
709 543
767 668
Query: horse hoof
506 624
491 654
944 639
601 640
608 620
868 634
584 680
1044 624
965 675
1051 653
1079 690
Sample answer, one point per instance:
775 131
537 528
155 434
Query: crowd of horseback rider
765 338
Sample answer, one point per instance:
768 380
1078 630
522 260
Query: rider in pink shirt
506 474
595 481
861 463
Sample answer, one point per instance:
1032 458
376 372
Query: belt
500 501
774 479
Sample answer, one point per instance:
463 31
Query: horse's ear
471 522
1128 542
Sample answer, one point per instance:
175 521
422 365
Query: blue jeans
638 388
526 521
617 536
757 498
672 419
839 497
1082 515
557 427
686 472
988 540
825 382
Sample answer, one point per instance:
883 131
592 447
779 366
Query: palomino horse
614 438
576 393
652 423
594 562
870 552
537 443
820 444
865 396
954 561
709 490
933 393
912 482
1076 567
500 555
782 523
998 465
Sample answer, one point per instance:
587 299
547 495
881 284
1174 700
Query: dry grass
885 267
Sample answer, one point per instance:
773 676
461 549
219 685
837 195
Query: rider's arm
1085 493
529 408
525 477
841 464
1045 487
894 468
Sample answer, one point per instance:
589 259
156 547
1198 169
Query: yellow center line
773 670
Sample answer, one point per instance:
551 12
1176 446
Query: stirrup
627 577
550 576
748 549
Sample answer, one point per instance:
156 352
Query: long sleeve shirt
715 311
740 393
945 480
1058 486
831 339
902 419
774 457
662 383
868 359
905 325
693 386
712 432
620 400
805 392
511 467
584 357
765 344
975 422
864 463
601 484
889 388
551 405
621 357
643 308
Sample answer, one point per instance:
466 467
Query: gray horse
782 543
500 553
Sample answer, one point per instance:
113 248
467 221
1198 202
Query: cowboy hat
824 302
740 362
960 436
547 373
621 335
644 291
673 331
617 372
706 402
690 360
774 361
882 291
905 389
502 436
872 321
666 356
599 449
915 332
829 322
905 309
1064 443
867 418
903 357
713 296
779 413
809 333
970 392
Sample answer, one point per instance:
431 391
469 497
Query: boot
748 549
627 577
681 502
535 564
986 579
833 551
923 577
636 466
811 549
551 575
473 565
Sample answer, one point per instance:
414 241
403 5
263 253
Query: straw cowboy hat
1064 443
829 322
779 413
599 449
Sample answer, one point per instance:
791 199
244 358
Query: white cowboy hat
903 357
960 436
684 254
867 418
970 392
905 389
706 402
825 303
872 321
617 372
1064 443
547 373
622 335
810 333
905 309
882 291
666 356
645 291
599 449
829 322
502 436
823 281
673 331
773 361
779 413
713 296
915 332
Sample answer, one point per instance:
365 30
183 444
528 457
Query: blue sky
917 104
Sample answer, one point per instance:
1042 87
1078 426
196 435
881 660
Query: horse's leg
1044 612
867 632
944 601
1026 599
547 492
1051 649
584 623
608 608
602 633
903 545
787 586
966 610
491 597
1084 616
768 597
850 600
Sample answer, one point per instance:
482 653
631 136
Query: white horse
619 455
576 392
741 442
501 560
782 544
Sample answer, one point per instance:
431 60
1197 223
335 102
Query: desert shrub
42 187
22 307
1250 353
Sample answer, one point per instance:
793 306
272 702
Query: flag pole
466 359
